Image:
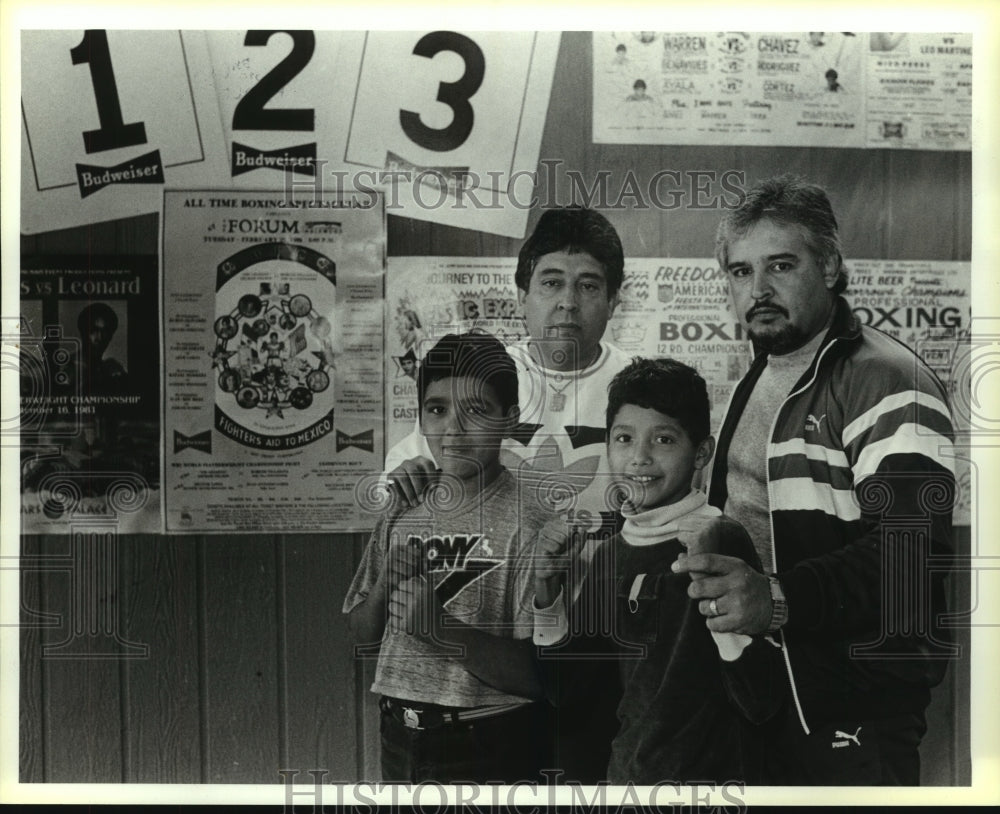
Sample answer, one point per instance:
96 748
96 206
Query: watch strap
779 607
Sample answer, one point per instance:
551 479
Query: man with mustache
835 455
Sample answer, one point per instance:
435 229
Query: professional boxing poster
272 359
89 393
792 89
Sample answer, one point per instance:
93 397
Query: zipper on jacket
770 520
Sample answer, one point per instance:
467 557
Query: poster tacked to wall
89 391
805 89
109 119
283 98
272 359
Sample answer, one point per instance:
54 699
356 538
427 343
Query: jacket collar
845 331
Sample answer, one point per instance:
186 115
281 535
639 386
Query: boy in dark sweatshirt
689 693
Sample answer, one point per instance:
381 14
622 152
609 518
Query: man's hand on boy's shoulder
410 479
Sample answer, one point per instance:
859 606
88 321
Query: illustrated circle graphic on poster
274 355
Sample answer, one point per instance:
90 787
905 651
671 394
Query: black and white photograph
468 409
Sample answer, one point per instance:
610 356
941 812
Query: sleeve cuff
550 624
731 645
804 596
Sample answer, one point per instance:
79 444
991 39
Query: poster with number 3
110 118
464 112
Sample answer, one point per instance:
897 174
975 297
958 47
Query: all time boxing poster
272 341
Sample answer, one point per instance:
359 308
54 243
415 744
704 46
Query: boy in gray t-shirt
447 587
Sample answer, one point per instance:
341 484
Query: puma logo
813 424
846 738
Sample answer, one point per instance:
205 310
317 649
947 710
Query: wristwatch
779 607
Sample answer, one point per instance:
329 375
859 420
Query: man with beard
835 455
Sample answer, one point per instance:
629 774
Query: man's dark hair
667 386
573 229
790 200
95 311
476 355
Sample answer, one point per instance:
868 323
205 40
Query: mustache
765 307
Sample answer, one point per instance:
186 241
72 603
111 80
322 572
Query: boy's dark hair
790 200
475 355
667 386
573 229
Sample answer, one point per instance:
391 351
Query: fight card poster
89 393
272 339
807 89
676 307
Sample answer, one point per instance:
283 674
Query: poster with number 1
109 119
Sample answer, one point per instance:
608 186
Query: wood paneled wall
249 668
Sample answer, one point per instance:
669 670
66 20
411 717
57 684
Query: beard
778 340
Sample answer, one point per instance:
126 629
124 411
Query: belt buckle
410 718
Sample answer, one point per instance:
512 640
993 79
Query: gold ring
713 608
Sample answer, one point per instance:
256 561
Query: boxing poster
272 347
89 393
919 93
793 89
